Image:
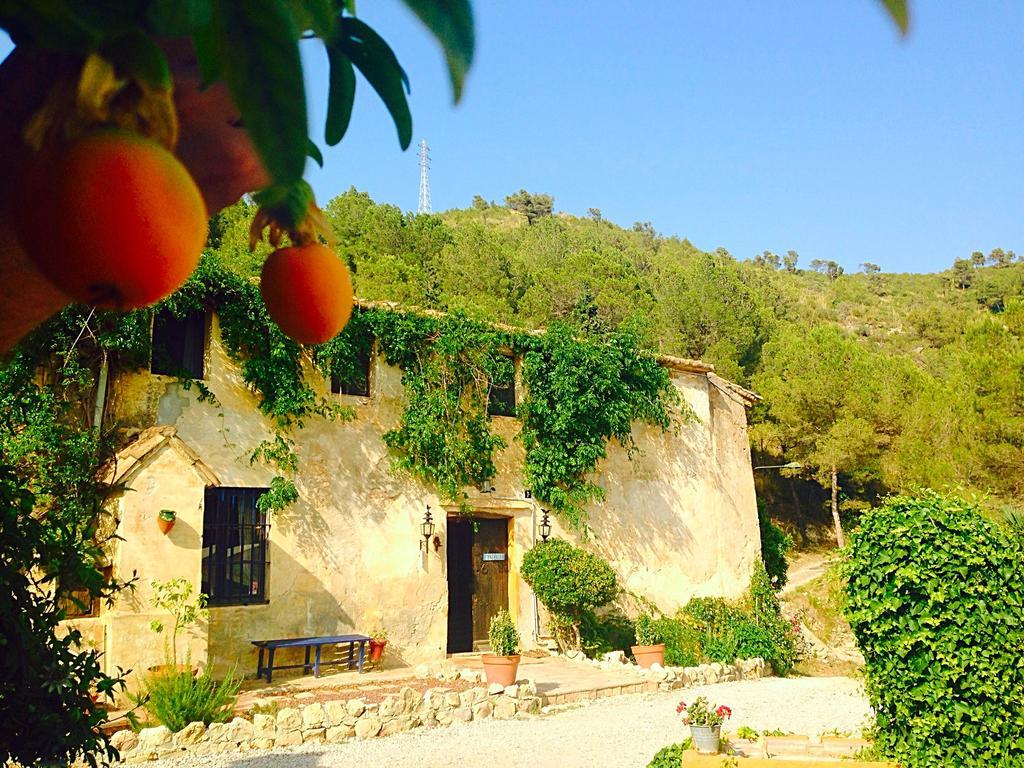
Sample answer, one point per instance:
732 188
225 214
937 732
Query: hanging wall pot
166 520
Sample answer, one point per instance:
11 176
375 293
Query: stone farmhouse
679 519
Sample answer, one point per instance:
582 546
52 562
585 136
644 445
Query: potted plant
501 665
648 649
166 519
175 597
378 639
705 723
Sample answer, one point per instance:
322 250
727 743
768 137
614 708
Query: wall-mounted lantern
545 525
426 529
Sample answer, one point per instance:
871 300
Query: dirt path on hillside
806 567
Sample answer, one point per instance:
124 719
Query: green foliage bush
775 545
647 630
936 602
177 698
682 642
671 756
609 632
569 581
768 618
503 635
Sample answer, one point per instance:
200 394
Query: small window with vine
357 380
78 602
179 344
501 396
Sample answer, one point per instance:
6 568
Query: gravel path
622 732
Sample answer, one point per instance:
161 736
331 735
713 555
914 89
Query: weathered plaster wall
679 519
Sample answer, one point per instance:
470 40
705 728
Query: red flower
723 711
681 707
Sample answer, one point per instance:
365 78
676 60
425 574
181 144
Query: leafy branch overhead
254 49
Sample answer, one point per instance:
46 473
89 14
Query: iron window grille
235 533
179 344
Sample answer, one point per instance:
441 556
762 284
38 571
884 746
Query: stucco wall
679 519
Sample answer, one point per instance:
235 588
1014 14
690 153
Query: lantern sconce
545 525
426 529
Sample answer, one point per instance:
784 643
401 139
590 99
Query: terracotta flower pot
377 649
165 524
500 669
646 655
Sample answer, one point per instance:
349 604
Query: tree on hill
827 398
868 268
533 206
963 273
768 260
789 261
827 267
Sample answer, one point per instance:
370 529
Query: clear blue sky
779 125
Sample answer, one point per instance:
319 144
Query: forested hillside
894 380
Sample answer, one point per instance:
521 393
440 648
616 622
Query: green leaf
260 58
313 151
899 12
177 18
136 54
288 202
341 94
451 21
207 54
379 65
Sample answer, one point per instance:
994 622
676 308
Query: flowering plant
701 713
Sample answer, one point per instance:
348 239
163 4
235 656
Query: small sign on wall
493 556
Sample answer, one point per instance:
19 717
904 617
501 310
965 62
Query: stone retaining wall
337 721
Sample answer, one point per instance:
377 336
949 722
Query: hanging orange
112 219
308 292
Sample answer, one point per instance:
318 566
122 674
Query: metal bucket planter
706 738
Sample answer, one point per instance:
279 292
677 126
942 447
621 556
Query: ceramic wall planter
166 519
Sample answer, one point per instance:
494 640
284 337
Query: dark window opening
179 344
235 565
78 603
358 383
501 400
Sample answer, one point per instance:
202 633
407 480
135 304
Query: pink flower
723 711
681 707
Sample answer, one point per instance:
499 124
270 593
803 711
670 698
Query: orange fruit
308 292
111 219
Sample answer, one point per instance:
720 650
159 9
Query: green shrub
601 634
503 635
670 756
176 699
936 602
647 630
767 616
712 615
570 582
775 545
721 647
682 642
751 640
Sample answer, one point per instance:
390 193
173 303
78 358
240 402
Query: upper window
234 547
78 602
501 400
179 344
358 382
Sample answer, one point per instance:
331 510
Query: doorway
477 578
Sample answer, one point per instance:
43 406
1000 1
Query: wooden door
490 573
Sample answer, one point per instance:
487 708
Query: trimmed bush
503 635
570 582
647 630
936 602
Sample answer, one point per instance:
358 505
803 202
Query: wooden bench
310 643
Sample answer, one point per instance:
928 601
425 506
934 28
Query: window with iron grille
358 382
235 546
501 400
179 344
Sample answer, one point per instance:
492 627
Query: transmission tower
424 206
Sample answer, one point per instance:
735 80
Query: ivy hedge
936 602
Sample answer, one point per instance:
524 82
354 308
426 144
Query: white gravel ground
622 732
